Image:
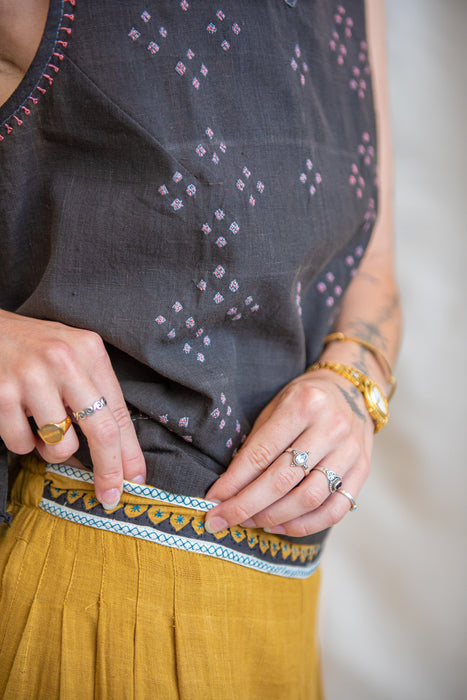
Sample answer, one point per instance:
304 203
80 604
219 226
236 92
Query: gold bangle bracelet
391 380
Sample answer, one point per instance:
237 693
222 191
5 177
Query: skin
46 366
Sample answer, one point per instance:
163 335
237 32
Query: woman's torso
196 183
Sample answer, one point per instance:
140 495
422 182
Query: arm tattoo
351 397
370 330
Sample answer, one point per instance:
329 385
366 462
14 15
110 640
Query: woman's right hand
47 368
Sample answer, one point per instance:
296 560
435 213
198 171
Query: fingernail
248 523
138 479
215 524
110 499
214 500
276 530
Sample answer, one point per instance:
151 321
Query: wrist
351 355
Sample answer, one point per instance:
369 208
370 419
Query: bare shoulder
22 24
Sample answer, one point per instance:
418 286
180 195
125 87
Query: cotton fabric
196 182
91 614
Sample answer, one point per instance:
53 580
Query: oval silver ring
300 459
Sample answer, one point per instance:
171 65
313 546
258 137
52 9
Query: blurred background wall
394 596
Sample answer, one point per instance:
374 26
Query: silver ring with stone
353 505
300 459
334 480
90 410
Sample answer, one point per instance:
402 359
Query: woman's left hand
318 413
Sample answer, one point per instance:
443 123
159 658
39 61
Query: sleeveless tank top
196 182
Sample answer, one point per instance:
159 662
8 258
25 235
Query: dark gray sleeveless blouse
194 181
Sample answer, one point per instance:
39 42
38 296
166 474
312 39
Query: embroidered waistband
172 520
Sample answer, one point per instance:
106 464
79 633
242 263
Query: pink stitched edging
47 77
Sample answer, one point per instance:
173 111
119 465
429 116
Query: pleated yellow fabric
86 613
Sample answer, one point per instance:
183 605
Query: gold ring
53 433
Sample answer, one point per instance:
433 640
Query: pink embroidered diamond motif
177 204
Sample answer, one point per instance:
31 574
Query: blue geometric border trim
187 544
150 492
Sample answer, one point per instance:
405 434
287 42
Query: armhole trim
43 69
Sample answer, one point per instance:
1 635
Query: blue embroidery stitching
187 544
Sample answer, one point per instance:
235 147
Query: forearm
372 312
371 308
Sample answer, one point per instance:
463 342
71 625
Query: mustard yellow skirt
134 603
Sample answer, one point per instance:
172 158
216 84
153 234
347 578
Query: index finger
273 484
258 452
91 411
263 446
